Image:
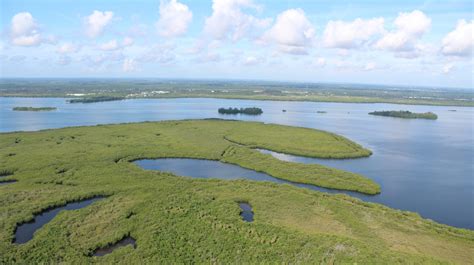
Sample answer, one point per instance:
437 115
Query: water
7 182
26 231
210 169
423 166
122 243
247 213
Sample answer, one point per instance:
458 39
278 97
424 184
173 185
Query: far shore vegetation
95 99
34 108
247 111
405 114
181 220
231 89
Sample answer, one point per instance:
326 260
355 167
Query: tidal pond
121 243
25 232
247 212
202 168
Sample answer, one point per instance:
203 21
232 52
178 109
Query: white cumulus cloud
346 35
127 41
410 27
174 18
129 65
96 22
24 30
251 60
370 66
447 68
229 21
66 48
110 46
292 31
460 41
321 62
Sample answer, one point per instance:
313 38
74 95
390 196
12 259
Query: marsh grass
183 220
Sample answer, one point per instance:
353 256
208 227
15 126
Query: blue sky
416 43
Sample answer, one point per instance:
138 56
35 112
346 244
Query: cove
202 168
25 231
121 243
390 195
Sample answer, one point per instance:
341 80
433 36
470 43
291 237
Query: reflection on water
422 165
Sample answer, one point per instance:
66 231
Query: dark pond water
7 182
122 243
246 213
25 232
423 166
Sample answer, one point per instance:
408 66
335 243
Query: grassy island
405 114
95 99
247 111
33 109
180 220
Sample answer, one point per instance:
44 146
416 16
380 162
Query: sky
413 43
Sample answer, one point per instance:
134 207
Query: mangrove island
33 108
247 111
405 114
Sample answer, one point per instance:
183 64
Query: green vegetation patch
296 141
185 220
33 109
405 114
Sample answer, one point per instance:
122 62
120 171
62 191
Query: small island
34 108
95 99
405 114
247 111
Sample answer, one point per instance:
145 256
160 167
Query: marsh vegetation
184 220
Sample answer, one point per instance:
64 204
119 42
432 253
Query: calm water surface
26 231
422 165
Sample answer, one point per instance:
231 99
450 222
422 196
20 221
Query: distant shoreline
356 100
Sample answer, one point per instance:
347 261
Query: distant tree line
248 111
405 114
95 99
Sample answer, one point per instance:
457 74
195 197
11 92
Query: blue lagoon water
425 166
